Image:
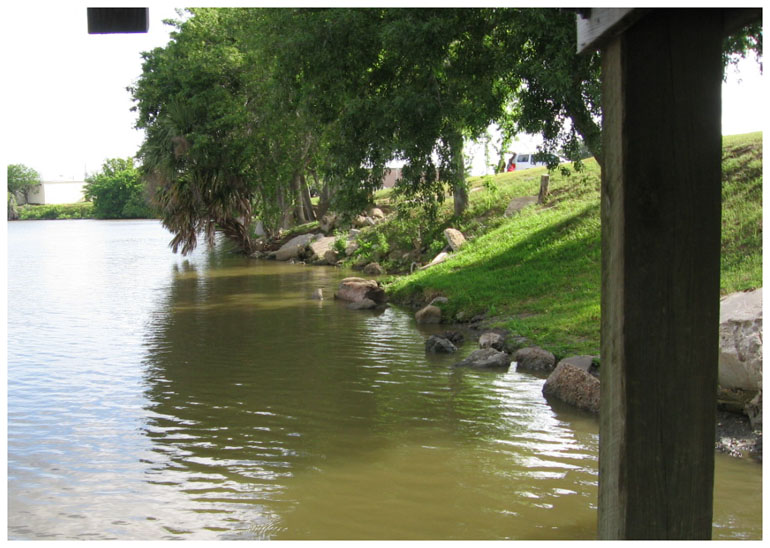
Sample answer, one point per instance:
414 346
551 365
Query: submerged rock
486 358
429 314
573 385
357 289
534 358
439 345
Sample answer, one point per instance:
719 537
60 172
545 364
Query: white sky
66 109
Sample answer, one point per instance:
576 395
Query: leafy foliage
82 210
22 179
117 191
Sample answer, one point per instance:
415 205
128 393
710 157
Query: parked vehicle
524 161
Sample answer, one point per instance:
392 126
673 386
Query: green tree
22 179
117 191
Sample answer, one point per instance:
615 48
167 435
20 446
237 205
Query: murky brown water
153 397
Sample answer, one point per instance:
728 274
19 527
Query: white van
523 161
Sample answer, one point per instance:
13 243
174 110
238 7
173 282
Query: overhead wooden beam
118 20
661 208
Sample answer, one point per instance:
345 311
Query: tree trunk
457 171
305 194
297 195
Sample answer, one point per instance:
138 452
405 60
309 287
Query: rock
486 358
440 258
439 345
491 339
374 269
429 314
513 343
328 222
740 340
361 221
376 214
586 363
753 410
363 304
573 385
439 300
455 337
455 238
318 294
534 358
517 204
357 289
351 248
294 247
317 249
331 257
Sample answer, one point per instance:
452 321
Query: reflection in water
277 417
153 397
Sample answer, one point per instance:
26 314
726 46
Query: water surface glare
152 396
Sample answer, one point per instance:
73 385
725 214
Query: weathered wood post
544 180
661 208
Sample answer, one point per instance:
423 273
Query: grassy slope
539 273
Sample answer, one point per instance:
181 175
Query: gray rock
440 258
455 337
317 249
331 257
428 314
376 214
374 269
357 289
486 358
294 247
439 345
753 410
534 358
455 238
586 363
573 385
490 339
740 341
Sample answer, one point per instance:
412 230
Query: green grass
539 272
81 210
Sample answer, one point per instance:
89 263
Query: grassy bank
538 273
81 210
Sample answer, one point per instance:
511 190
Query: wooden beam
597 26
661 208
118 20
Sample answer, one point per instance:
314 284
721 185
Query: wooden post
661 207
544 180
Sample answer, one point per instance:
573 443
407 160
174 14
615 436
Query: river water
152 396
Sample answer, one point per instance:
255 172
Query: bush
117 192
82 210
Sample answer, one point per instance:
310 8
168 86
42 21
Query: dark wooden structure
661 241
118 20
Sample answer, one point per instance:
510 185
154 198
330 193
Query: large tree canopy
244 105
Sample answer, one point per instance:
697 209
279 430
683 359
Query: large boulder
357 289
428 314
317 249
573 385
363 304
586 363
455 238
439 345
534 358
740 341
294 247
486 358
